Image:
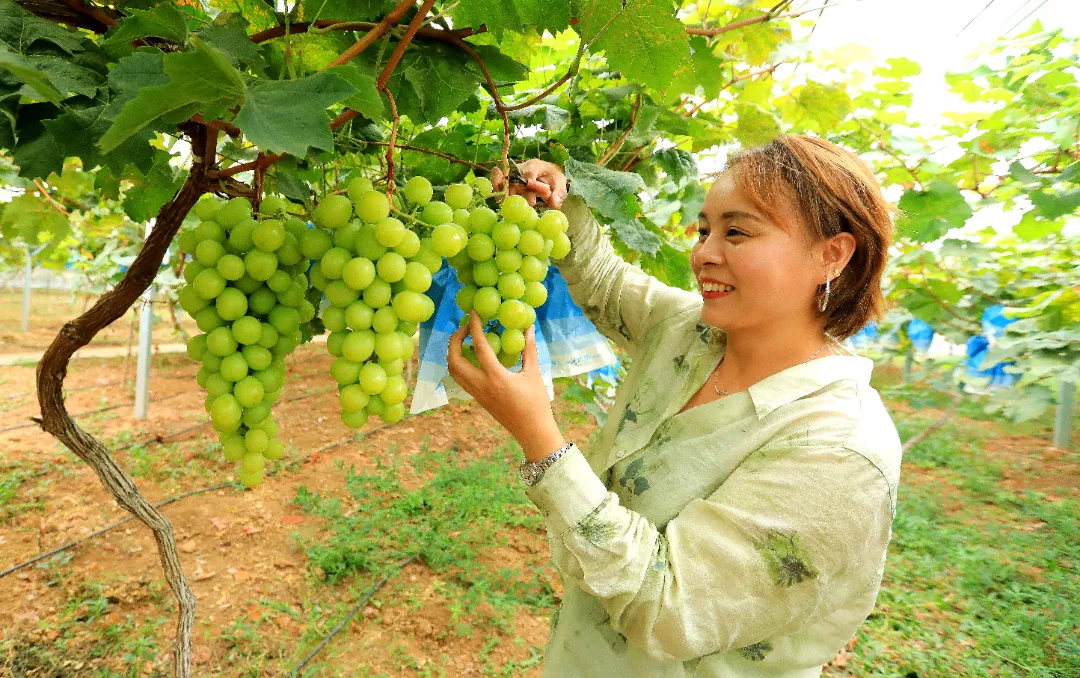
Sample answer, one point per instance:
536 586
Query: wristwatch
532 471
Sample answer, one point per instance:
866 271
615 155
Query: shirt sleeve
619 298
790 536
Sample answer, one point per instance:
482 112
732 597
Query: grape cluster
374 272
245 289
500 258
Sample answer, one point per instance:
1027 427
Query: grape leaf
501 67
152 189
35 79
199 81
21 30
144 68
703 69
231 39
427 84
354 10
38 153
643 39
288 116
67 77
931 213
33 218
679 165
1054 205
164 21
1030 227
514 15
755 126
613 194
636 236
366 99
76 130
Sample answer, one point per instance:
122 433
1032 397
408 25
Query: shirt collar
787 386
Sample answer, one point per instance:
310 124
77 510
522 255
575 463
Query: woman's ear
837 252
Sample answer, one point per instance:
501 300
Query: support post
146 341
1063 420
26 291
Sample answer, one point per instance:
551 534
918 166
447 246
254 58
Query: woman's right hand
545 180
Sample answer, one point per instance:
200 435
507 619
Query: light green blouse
743 537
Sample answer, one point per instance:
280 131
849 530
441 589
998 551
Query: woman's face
771 268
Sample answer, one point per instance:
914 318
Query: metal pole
26 291
146 338
1063 420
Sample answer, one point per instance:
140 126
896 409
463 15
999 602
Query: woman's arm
779 543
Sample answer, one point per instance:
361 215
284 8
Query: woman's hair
832 191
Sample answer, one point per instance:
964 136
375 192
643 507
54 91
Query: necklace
720 391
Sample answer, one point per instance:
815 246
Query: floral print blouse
744 537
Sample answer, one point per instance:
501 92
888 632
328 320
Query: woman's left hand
517 400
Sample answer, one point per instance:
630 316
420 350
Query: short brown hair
832 191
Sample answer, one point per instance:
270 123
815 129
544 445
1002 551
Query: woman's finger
456 362
530 361
488 360
496 179
539 188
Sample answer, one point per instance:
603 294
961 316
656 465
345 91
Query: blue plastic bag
567 343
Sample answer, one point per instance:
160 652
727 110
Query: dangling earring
825 301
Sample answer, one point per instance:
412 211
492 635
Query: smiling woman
733 518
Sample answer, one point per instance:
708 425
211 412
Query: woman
734 517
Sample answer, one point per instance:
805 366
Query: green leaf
822 106
613 194
637 237
704 69
22 30
755 126
366 99
77 129
201 81
1071 173
514 15
164 21
501 67
430 83
34 218
931 213
229 34
151 190
38 152
679 165
30 74
67 77
899 67
143 69
288 116
1031 227
1022 174
1053 205
354 10
642 39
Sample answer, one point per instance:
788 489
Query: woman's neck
751 356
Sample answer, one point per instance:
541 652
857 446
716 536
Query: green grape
480 247
482 220
375 406
388 346
465 275
250 479
231 304
515 209
409 305
531 243
461 218
392 414
190 300
378 293
560 246
359 186
247 284
486 273
334 341
458 196
257 357
508 360
208 319
514 314
358 315
345 371
208 252
493 341
552 223
289 253
221 342
532 269
240 238
446 240
418 190
233 212
409 327
352 398
202 376
234 367
545 253
272 379
196 346
231 267
417 277
284 319
217 385
306 310
260 265
334 319
269 336
210 230
367 244
372 379
262 300
486 302
395 390
249 391
528 221
255 441
225 413
513 341
483 186
535 294
511 286
247 329
508 261
293 296
315 243
469 354
372 207
392 367
232 445
358 346
333 262
187 241
385 320
391 267
409 245
506 235
354 419
207 208
437 212
464 298
279 282
269 235
272 205
191 270
297 227
209 283
332 212
389 232
275 449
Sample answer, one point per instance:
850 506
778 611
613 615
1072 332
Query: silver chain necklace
720 391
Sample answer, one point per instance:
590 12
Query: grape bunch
500 258
374 272
246 291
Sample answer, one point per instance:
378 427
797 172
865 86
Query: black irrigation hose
348 617
59 549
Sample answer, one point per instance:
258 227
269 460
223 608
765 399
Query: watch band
532 471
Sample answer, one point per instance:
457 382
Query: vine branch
614 148
376 32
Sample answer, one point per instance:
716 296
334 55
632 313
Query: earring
825 301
